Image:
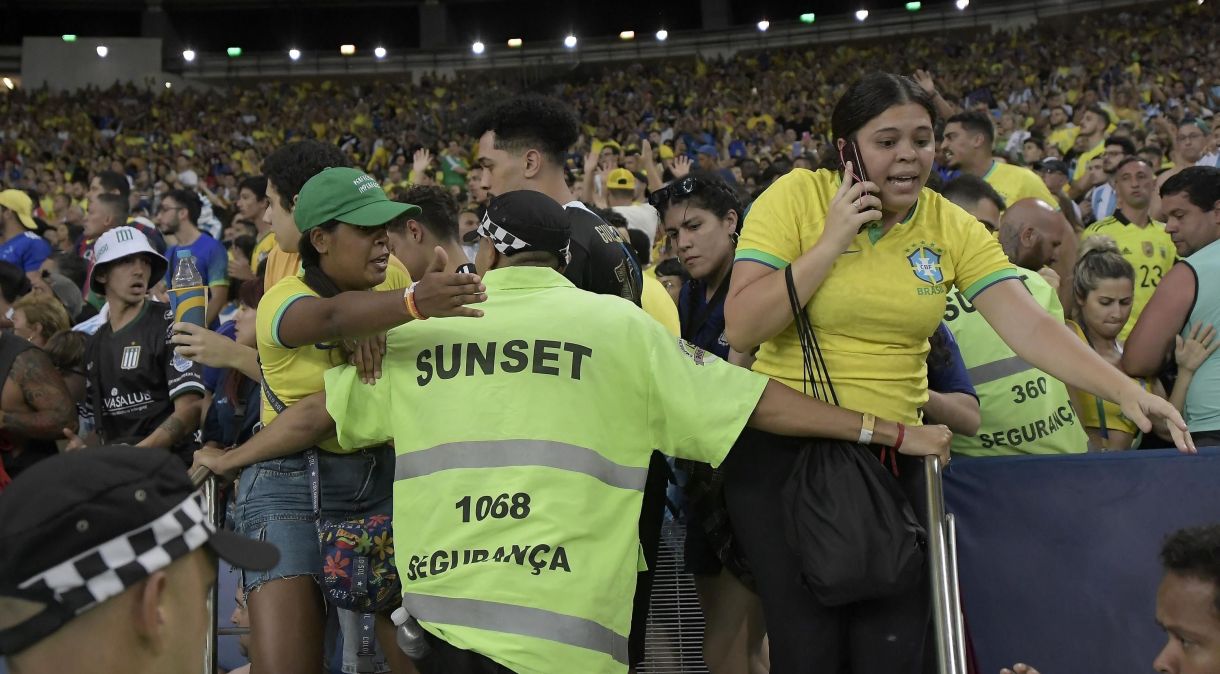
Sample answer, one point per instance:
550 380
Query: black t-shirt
133 375
600 261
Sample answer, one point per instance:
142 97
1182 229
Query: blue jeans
274 504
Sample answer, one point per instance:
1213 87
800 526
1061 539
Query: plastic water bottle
187 295
410 635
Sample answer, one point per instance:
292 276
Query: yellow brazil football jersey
884 296
1082 162
1150 251
292 373
1015 183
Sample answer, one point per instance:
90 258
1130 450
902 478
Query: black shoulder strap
311 454
815 370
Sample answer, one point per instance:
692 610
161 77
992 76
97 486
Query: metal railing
942 570
202 477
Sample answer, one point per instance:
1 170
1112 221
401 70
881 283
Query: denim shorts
274 504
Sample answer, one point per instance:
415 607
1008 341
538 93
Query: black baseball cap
79 528
1053 165
524 220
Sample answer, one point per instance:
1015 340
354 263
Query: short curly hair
530 122
439 210
290 167
1195 553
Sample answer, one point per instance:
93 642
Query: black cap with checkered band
524 220
79 528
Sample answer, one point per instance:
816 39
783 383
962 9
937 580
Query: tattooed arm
43 390
178 425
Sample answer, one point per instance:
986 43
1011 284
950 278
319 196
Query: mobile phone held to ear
850 152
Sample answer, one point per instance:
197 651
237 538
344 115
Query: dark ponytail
311 262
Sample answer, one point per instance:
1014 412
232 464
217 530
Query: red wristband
902 431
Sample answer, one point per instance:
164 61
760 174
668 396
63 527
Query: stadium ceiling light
569 41
102 50
379 52
188 55
763 25
809 17
8 82
861 14
347 49
627 35
914 6
169 85
478 47
294 54
514 42
69 37
233 52
963 4
662 35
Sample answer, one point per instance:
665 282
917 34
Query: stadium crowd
713 194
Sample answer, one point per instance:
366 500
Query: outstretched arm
296 429
361 313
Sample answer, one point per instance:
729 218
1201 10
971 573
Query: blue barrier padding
1059 556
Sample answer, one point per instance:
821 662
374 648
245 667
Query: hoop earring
734 237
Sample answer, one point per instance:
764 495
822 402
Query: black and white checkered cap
80 528
96 575
524 220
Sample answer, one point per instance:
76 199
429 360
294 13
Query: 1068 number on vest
516 506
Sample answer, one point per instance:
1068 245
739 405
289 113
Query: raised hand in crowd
681 167
421 161
241 270
649 163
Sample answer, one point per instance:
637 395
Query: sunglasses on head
672 191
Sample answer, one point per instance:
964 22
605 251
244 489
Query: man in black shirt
522 144
139 391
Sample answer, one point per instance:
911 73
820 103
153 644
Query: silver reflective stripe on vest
523 620
518 453
999 369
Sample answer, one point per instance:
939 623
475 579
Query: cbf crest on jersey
925 263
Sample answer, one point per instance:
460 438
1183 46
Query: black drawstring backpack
846 516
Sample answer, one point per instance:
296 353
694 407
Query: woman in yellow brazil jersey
871 262
341 214
1104 288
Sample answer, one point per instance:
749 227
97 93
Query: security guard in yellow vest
523 440
1024 410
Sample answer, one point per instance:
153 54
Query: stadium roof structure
324 24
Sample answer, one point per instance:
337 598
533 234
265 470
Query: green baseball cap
348 195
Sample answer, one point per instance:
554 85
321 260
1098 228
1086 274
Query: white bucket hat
121 242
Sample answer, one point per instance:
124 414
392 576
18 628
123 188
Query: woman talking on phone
872 254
